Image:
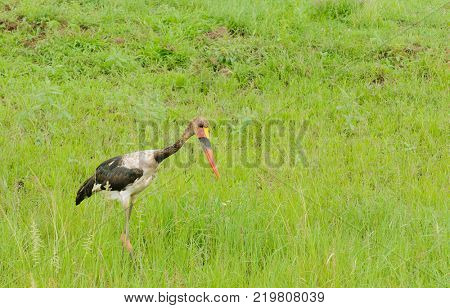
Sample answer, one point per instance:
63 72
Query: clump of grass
334 9
163 56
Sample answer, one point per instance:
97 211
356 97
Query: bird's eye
200 125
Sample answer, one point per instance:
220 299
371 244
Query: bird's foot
126 243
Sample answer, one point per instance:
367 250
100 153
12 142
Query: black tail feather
85 190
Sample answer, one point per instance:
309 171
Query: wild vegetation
360 199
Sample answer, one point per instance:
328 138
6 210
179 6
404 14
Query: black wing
113 176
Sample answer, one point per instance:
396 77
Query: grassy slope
370 209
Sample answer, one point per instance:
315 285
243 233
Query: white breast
140 184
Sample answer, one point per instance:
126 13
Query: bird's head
200 127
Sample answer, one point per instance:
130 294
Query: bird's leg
125 237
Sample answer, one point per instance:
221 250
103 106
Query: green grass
370 209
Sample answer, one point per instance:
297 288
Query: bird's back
120 173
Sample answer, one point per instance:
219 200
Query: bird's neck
172 149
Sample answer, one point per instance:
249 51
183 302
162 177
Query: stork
123 177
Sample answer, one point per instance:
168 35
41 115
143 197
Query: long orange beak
203 137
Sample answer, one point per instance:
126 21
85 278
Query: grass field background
368 209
